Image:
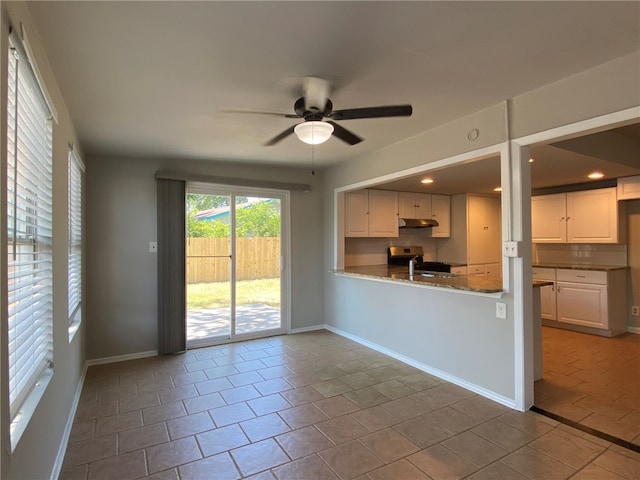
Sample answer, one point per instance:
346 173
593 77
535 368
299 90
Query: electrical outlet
153 247
635 311
501 310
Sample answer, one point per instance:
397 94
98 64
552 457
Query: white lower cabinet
485 269
582 304
547 293
584 300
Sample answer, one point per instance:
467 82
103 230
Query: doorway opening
235 258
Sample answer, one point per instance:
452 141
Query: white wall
121 273
353 305
36 452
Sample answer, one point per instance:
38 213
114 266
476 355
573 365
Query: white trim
306 329
425 167
635 330
508 402
64 442
121 358
22 418
36 73
584 127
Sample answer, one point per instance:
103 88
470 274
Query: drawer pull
581 276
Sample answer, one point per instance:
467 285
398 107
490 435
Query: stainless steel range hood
417 223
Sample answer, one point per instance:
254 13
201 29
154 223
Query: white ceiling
149 79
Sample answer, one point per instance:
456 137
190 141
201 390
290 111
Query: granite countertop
471 283
579 266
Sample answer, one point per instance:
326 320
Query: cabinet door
441 212
483 229
406 205
592 216
582 304
548 219
494 270
356 213
548 302
629 187
423 205
383 213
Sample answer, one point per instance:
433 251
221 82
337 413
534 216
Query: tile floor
313 406
592 380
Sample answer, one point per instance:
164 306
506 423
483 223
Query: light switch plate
511 249
501 310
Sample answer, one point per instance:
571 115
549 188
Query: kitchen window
75 184
29 240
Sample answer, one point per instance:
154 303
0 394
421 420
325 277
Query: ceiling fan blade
372 112
344 134
256 112
279 137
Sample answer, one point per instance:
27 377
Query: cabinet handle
553 289
568 218
562 219
581 276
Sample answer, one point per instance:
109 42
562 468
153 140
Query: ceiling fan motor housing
314 113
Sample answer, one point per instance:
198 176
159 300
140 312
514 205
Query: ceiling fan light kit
313 132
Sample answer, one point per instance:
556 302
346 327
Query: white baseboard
307 329
121 358
57 466
633 330
508 402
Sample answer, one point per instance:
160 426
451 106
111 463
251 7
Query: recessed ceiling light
531 160
595 175
497 189
426 180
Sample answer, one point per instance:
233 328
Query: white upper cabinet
588 216
592 216
414 205
483 229
629 188
356 213
371 213
549 218
423 205
383 213
441 212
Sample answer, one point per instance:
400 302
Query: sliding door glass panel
258 253
209 268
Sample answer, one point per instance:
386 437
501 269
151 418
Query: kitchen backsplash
373 251
582 254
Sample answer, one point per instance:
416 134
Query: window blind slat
29 231
75 176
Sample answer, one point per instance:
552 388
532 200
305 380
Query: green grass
217 294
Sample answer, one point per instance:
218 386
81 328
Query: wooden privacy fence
208 259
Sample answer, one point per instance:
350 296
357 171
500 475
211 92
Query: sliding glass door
235 263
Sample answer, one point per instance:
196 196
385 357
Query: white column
520 202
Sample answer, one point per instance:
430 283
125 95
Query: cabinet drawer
476 269
582 276
542 273
459 270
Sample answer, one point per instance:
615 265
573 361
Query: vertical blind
75 172
29 235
